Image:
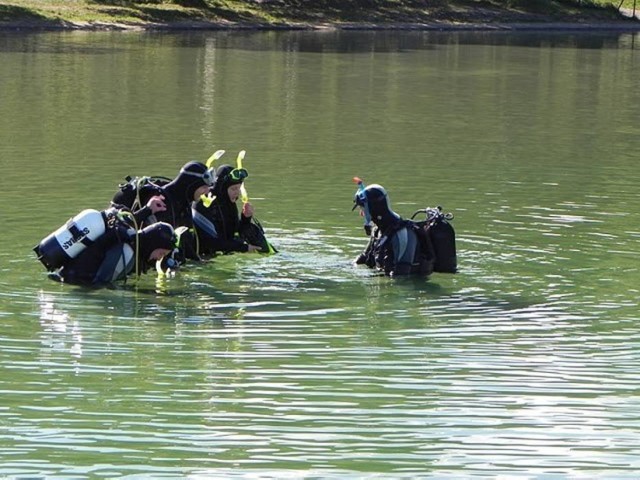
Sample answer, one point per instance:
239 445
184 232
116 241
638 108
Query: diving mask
208 177
238 174
360 200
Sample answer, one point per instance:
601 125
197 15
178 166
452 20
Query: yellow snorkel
243 191
214 158
209 198
245 199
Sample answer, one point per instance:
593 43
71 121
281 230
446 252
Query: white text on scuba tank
69 243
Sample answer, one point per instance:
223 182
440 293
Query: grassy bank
301 13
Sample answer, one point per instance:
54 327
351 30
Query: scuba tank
442 237
68 241
128 193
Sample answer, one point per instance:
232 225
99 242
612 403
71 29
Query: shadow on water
340 41
272 289
312 279
349 42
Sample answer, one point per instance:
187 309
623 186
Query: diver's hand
253 248
247 210
156 204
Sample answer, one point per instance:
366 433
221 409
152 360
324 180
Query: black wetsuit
217 226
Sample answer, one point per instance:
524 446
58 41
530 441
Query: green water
522 365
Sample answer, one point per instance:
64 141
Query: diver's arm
211 240
147 213
367 256
220 244
142 215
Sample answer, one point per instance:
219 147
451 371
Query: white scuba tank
72 238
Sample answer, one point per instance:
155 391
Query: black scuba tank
72 238
128 191
443 239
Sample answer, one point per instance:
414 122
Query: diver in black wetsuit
119 252
193 181
396 246
217 225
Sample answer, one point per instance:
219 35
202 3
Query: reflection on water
329 41
56 324
299 364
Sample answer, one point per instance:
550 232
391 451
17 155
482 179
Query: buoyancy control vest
128 193
403 249
178 193
72 238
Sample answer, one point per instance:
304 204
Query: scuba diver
193 180
396 246
119 252
217 224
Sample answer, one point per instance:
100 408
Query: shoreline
629 25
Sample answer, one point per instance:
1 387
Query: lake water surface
523 365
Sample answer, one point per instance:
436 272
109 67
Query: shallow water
299 365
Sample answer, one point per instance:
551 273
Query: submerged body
98 248
118 253
399 250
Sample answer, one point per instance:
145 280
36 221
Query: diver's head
194 180
156 241
374 202
229 182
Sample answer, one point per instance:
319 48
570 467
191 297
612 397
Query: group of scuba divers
163 222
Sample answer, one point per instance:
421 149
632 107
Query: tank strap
87 242
79 235
76 233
